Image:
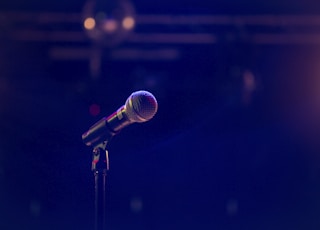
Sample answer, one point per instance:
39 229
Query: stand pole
100 165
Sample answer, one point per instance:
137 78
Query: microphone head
141 106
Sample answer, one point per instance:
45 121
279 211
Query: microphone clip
100 158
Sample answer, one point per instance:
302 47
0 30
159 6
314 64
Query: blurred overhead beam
294 39
266 20
63 53
39 18
60 30
47 36
166 38
182 38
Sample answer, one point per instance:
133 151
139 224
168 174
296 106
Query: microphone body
140 107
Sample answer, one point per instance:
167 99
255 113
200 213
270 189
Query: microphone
141 106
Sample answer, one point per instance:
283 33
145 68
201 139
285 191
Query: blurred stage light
35 208
136 205
232 207
89 23
108 23
128 23
249 81
249 86
94 110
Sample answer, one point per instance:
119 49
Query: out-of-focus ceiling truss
168 31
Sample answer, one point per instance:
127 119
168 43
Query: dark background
216 156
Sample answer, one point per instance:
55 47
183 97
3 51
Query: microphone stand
100 167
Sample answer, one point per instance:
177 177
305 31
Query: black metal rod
96 200
100 164
104 197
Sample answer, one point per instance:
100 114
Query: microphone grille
141 106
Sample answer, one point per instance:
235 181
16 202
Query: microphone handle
106 128
118 120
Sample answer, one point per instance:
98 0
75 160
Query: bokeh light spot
136 205
35 208
89 23
128 23
249 81
94 110
232 207
110 25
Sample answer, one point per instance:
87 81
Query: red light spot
94 110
